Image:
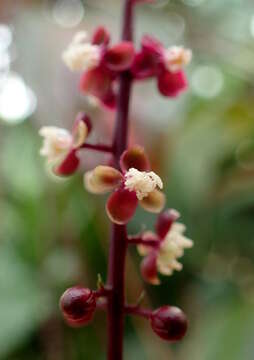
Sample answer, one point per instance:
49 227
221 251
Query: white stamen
81 55
172 248
56 142
176 57
143 183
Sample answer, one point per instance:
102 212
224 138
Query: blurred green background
54 235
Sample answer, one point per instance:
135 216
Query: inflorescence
130 184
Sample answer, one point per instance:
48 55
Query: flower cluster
101 64
166 65
132 185
131 182
161 250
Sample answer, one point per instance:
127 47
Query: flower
60 146
176 57
81 55
142 182
168 245
100 64
132 185
78 305
165 64
169 323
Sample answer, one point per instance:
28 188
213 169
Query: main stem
119 243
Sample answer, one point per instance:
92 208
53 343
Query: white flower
172 248
81 55
176 57
56 144
143 183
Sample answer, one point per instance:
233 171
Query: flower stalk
118 243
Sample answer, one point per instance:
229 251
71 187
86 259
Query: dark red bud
101 36
165 221
169 323
78 305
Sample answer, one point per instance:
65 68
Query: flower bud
78 305
165 221
169 323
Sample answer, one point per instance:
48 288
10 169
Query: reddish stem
118 244
139 311
98 147
137 240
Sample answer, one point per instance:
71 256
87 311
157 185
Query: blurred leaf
23 303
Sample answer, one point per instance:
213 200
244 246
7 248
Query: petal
144 66
109 100
101 36
121 206
172 84
68 166
148 269
95 82
165 221
154 202
120 57
134 157
152 46
81 129
102 179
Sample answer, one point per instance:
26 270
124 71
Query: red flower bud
165 221
169 323
78 305
68 166
101 36
172 84
120 57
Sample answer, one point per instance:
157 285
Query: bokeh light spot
5 37
207 81
17 101
68 13
252 26
193 2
